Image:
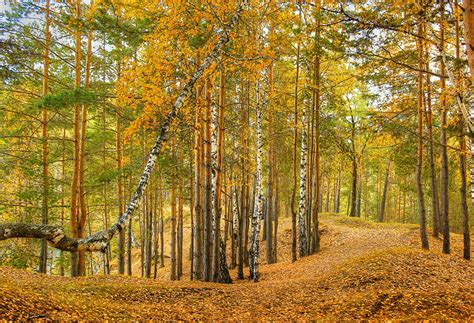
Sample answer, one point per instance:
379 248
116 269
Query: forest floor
364 271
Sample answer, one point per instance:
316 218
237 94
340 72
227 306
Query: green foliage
66 99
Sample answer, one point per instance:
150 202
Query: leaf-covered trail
364 270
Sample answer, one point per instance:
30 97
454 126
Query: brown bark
469 34
444 189
429 124
100 240
198 211
381 215
173 275
44 134
207 212
295 159
75 270
419 165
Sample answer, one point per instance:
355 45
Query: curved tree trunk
99 241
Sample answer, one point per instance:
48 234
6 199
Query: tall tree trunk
156 193
315 240
173 218
469 34
179 238
198 183
243 185
381 216
44 134
303 193
207 187
269 252
295 143
129 230
258 205
444 152
77 141
82 160
99 241
119 152
419 165
462 155
429 124
217 165
191 211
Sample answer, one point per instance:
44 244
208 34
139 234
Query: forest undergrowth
364 271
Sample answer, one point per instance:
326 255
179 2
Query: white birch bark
258 206
99 241
303 192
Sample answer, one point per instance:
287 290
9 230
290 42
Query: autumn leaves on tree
191 131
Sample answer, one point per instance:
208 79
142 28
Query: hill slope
364 270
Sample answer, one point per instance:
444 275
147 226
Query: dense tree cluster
130 124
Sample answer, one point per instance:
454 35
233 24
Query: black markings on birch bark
100 240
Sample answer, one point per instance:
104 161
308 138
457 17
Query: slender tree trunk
207 262
243 185
129 231
295 143
258 205
173 219
77 136
444 153
180 217
419 165
303 193
44 129
161 228
381 216
156 193
82 161
315 240
462 154
354 187
217 165
469 34
198 184
276 212
191 215
429 124
269 253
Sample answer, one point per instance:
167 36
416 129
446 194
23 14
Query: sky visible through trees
214 141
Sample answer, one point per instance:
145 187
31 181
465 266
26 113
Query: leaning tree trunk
100 241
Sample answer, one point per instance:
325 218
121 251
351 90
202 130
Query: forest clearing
236 159
364 271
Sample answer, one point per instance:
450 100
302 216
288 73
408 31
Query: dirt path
363 271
